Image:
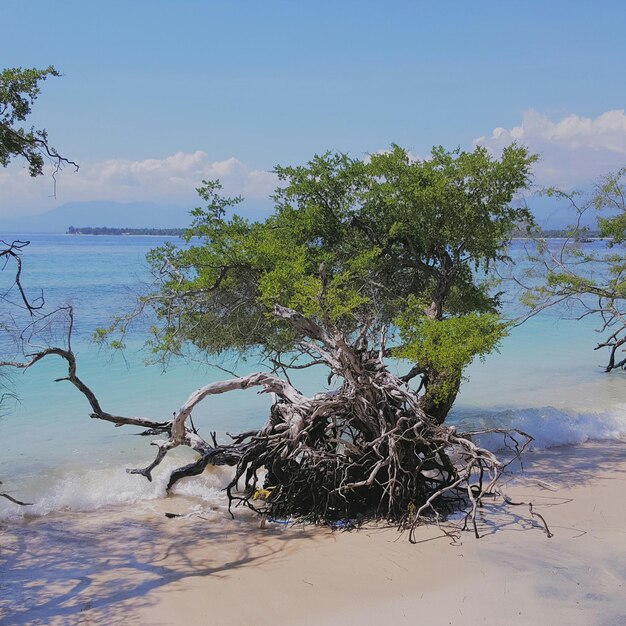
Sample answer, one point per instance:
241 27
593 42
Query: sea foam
112 486
548 425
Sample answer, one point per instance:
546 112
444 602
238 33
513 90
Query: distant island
584 235
105 230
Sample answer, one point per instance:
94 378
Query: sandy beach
123 566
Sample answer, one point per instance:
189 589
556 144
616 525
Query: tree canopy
391 248
19 88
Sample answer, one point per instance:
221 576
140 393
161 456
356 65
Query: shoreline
131 565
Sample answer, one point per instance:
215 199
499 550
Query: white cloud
573 150
169 180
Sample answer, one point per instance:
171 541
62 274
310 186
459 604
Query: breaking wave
110 486
548 426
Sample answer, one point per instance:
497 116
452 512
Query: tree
362 264
589 280
19 88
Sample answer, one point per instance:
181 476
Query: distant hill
100 213
144 215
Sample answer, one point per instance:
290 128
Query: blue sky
186 89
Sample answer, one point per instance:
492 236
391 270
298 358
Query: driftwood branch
12 252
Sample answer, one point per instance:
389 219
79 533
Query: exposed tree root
364 451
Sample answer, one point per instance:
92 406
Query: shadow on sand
568 466
97 568
544 479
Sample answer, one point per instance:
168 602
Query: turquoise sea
546 380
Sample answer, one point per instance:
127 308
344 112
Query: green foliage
19 88
353 245
450 343
447 345
610 194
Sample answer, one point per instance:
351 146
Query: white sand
117 567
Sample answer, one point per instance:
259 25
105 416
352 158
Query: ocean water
546 380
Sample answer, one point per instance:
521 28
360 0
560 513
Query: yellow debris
262 494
